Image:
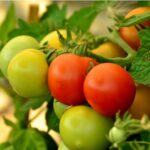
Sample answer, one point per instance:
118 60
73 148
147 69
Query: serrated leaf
133 20
140 68
8 24
35 102
56 15
6 146
82 19
51 118
29 139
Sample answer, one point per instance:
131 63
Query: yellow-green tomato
13 47
141 103
81 128
27 73
53 41
109 50
59 108
62 146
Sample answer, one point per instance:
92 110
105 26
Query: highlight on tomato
109 89
13 47
27 73
83 128
130 34
66 75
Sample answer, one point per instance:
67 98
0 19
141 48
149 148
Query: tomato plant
141 104
66 75
85 128
130 34
53 40
27 73
13 47
109 89
109 50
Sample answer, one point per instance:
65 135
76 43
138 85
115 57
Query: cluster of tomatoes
89 93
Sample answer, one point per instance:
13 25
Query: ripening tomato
53 39
109 89
82 128
141 104
62 146
109 50
13 47
27 73
66 75
130 34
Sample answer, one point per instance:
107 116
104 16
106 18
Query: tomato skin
108 88
82 128
53 39
141 104
66 75
130 34
109 50
13 47
62 146
27 73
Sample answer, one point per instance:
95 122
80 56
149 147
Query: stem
126 61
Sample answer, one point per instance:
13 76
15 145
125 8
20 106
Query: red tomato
66 75
130 34
109 88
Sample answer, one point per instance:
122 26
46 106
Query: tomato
53 39
13 47
109 50
82 128
109 88
130 34
66 75
59 108
62 146
141 104
27 73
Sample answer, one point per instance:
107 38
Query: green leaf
9 122
133 20
51 118
29 139
83 18
6 146
56 15
140 68
143 3
8 24
35 102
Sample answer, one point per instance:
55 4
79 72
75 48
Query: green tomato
53 39
27 73
109 50
13 47
59 108
62 146
81 128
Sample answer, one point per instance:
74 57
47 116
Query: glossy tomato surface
27 73
13 47
66 75
109 89
130 34
82 128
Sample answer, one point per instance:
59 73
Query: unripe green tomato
53 39
109 50
81 128
59 108
13 47
27 73
62 146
